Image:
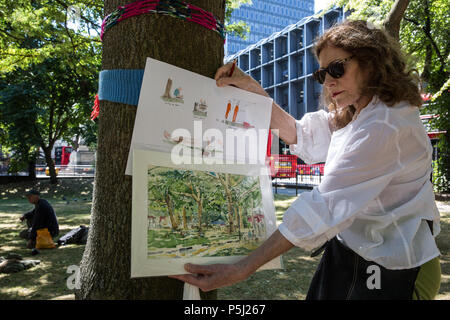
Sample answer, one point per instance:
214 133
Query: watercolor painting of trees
203 214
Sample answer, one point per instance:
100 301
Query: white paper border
141 266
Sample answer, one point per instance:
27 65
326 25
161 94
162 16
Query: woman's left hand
239 79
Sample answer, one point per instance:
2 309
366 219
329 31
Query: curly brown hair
379 54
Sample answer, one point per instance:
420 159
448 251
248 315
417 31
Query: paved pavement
288 191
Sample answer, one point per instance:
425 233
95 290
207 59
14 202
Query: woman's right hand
239 79
214 276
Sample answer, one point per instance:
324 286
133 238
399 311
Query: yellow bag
44 239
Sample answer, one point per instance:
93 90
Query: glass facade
265 17
283 63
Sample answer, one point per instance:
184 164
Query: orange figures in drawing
236 109
228 109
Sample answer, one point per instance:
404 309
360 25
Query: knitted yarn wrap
174 8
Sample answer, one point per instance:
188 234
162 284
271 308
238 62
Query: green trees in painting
236 189
195 200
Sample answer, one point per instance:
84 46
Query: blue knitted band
120 85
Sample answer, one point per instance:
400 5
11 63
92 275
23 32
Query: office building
265 17
283 63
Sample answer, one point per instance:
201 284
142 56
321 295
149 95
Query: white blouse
376 192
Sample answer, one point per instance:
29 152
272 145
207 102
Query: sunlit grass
48 279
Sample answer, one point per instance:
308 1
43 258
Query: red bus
62 155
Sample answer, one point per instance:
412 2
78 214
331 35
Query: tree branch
394 17
414 22
81 16
427 32
11 36
243 195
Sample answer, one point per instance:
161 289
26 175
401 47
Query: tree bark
185 225
105 266
32 165
395 16
200 214
170 211
50 164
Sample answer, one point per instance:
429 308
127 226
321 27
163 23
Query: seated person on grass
42 216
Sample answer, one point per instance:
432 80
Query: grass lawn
48 279
71 199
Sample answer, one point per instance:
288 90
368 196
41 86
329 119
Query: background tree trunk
170 212
105 266
50 163
32 168
394 18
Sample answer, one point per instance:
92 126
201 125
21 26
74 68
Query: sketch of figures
205 213
177 93
238 118
200 109
173 98
208 147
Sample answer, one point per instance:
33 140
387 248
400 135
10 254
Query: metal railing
305 176
67 171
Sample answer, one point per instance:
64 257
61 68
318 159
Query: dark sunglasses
335 69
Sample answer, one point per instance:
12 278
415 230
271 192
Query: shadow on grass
289 283
48 279
292 282
74 188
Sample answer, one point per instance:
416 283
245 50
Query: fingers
199 281
223 71
201 269
188 278
228 81
201 276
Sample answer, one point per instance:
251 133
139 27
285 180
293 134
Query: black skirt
344 275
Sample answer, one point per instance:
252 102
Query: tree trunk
395 16
76 143
230 210
425 76
50 164
32 166
239 221
168 89
170 211
185 225
105 266
199 214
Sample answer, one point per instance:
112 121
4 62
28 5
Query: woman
374 212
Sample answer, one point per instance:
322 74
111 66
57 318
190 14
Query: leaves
32 31
48 70
239 28
424 36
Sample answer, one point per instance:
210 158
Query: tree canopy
424 33
424 36
50 57
32 31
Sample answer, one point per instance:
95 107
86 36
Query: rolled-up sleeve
313 137
365 166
